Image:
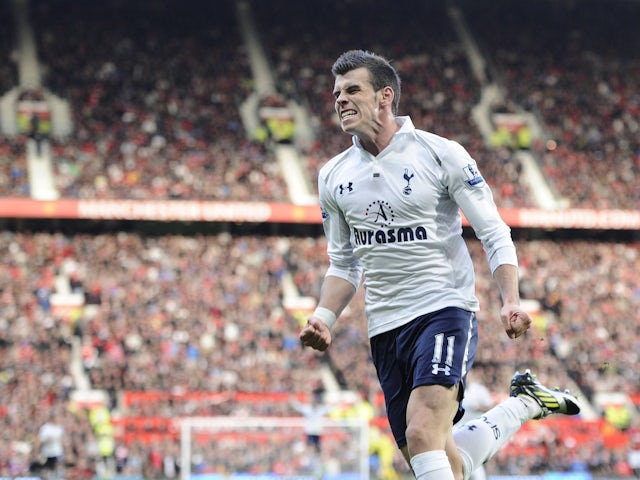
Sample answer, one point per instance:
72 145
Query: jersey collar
406 125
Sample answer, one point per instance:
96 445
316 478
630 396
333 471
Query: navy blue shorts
434 349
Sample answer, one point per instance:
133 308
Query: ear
386 96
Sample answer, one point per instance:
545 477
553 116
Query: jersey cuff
503 256
352 275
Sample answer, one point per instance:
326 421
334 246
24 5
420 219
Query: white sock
479 474
478 440
533 407
432 465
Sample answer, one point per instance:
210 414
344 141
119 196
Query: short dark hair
381 72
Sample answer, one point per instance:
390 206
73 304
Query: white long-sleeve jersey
396 216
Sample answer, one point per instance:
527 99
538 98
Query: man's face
357 104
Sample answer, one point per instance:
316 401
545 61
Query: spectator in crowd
51 447
314 412
634 454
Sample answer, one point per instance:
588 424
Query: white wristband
326 315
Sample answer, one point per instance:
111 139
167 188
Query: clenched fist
315 334
516 321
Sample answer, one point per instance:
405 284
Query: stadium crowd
148 97
144 130
156 106
179 314
580 80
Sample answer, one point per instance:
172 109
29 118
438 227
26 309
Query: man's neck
382 138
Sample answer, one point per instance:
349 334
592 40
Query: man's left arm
474 197
514 318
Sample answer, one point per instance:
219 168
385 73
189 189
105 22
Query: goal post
213 448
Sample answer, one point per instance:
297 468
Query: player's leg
444 349
453 456
430 414
480 439
479 474
420 367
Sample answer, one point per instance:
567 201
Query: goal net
216 448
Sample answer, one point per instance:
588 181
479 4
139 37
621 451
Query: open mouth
344 115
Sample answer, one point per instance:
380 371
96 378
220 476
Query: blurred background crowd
175 321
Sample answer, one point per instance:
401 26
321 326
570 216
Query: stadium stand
580 80
156 103
170 323
178 343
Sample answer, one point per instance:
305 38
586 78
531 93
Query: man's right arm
335 295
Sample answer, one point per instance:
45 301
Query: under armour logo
435 369
349 188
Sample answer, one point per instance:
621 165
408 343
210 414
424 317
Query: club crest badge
407 177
